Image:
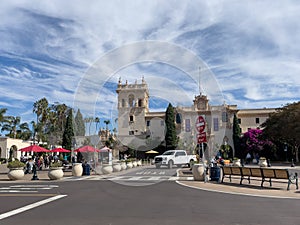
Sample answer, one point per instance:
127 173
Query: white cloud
47 46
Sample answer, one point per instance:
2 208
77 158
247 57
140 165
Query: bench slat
281 174
268 173
256 172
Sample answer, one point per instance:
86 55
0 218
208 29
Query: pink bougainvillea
252 141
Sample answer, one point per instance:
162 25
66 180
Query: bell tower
133 104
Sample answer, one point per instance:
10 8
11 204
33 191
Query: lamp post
285 150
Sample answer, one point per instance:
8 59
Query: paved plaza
184 177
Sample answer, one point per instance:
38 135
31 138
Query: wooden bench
264 173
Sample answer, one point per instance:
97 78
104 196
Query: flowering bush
252 141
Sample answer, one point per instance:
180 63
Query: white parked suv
174 157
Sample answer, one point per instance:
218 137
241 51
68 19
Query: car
174 157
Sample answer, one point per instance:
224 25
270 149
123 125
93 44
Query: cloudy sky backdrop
47 47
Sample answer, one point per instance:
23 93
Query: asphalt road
166 202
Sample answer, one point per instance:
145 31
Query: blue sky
47 48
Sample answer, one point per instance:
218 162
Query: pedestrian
248 158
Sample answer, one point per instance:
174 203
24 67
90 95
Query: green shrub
15 164
56 164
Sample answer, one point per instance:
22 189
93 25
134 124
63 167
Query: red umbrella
86 148
34 148
60 150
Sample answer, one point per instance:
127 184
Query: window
148 123
131 100
224 117
130 118
187 125
178 118
140 102
257 120
239 121
123 102
162 123
216 124
180 154
131 132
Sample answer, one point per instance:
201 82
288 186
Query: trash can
215 173
86 169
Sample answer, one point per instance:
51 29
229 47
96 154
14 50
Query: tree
68 132
97 122
106 129
40 108
284 125
236 137
89 121
79 124
170 137
2 117
15 128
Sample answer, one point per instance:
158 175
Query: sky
243 53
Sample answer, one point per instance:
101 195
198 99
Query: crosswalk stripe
128 178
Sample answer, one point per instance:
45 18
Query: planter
123 166
107 169
236 162
198 171
129 165
15 173
117 167
139 162
134 163
77 169
263 163
55 173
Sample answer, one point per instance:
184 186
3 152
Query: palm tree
2 117
97 121
41 109
106 131
15 128
89 120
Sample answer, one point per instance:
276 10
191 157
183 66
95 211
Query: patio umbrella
151 152
104 149
34 148
86 148
60 150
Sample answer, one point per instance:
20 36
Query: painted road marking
26 188
30 206
27 195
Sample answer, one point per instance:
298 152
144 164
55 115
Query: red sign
201 138
200 124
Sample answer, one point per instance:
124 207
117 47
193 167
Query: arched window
178 118
140 104
131 100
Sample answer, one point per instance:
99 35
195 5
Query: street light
285 150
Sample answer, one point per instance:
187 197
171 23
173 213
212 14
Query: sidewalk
42 175
278 189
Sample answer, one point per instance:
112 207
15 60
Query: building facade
11 146
141 129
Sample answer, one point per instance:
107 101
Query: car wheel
170 164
